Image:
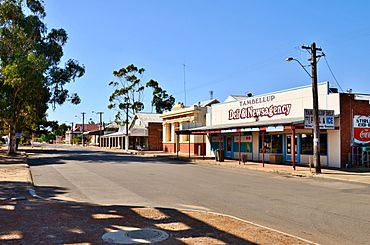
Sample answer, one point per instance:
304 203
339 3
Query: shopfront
271 128
277 128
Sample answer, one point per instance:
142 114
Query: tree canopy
128 93
161 100
31 77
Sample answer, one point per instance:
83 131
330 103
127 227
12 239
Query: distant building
185 117
77 131
145 133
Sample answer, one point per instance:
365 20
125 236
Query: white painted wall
298 98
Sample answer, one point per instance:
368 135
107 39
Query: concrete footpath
29 219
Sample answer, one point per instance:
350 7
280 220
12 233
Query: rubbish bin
217 155
221 155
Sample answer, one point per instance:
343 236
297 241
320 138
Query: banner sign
326 119
361 129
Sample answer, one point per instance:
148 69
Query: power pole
83 127
316 126
72 133
101 125
126 137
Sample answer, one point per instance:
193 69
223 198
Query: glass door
288 148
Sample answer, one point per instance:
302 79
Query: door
229 153
288 148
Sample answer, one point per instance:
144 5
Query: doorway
288 148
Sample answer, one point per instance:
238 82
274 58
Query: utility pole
126 136
316 126
83 127
72 133
101 125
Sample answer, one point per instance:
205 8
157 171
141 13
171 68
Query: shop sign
249 130
225 131
251 112
244 138
361 129
275 129
326 119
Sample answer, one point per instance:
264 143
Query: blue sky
230 47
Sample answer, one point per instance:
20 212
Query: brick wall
359 107
155 136
169 147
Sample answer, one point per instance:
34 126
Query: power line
335 79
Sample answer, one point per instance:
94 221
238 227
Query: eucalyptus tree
127 96
161 100
31 76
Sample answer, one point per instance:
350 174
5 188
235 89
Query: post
100 127
72 134
316 125
177 143
83 127
263 148
240 139
293 147
189 146
203 147
126 137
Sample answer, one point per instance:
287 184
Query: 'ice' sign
326 119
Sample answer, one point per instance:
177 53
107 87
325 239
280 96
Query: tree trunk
12 147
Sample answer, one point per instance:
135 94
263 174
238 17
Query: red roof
87 127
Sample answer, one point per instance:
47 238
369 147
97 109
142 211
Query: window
307 144
273 143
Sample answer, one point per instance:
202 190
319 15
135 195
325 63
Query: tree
161 100
128 93
30 74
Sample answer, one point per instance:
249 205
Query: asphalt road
323 211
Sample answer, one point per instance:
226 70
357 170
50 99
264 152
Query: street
323 211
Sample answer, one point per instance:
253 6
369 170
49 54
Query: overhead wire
332 73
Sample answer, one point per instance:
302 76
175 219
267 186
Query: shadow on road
52 156
36 221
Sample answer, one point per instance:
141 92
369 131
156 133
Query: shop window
277 143
307 144
273 143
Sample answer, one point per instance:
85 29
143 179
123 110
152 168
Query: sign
326 119
244 138
251 112
225 131
275 129
361 129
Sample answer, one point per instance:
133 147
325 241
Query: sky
230 47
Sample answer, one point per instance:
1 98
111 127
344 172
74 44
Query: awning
246 126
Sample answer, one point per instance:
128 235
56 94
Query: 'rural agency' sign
326 119
361 129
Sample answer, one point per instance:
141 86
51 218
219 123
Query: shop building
181 118
144 133
275 128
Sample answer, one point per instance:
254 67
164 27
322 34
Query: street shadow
39 157
38 221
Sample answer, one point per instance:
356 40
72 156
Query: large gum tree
31 76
